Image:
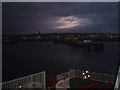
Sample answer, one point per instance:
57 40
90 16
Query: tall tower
39 33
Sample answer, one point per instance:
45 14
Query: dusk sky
51 17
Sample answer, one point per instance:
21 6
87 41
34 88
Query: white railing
94 76
117 83
37 80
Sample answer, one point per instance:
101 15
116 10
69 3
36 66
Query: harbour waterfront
29 57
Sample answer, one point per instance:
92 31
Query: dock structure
86 45
89 46
37 80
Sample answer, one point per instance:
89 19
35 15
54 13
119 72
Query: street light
86 74
20 87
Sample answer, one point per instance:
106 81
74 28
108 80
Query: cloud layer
60 17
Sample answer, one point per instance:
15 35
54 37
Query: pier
85 45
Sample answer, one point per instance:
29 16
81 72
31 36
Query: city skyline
82 17
40 40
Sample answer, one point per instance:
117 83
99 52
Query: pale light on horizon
71 22
67 26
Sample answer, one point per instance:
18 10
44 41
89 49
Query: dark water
27 58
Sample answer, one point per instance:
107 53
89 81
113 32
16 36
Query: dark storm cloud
31 17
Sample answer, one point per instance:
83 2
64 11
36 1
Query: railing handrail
79 75
23 77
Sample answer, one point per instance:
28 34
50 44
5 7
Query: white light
85 77
88 75
83 73
86 71
20 86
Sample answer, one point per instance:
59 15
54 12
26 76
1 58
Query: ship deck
81 84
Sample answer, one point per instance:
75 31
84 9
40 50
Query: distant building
87 41
37 80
